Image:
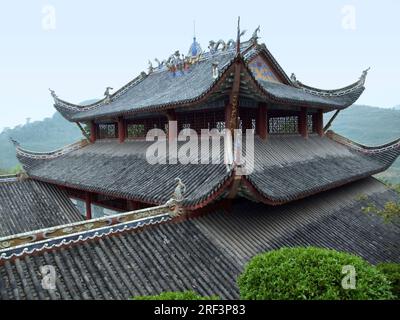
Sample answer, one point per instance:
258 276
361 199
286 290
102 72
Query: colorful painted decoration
262 71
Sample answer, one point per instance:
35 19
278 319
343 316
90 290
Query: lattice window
107 130
135 130
140 127
283 125
208 119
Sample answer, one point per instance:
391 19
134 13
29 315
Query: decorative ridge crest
51 154
106 100
8 178
48 238
330 93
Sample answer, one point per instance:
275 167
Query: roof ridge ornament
14 142
150 67
364 75
177 198
53 94
254 38
294 79
107 95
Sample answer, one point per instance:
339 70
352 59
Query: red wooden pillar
228 114
261 122
121 129
171 116
319 122
302 123
88 203
133 205
93 131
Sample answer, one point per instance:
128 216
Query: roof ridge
330 92
142 76
8 178
67 234
395 144
51 154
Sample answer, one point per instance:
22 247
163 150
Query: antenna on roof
238 37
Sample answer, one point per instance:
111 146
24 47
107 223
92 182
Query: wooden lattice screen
283 125
107 130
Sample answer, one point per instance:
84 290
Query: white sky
96 44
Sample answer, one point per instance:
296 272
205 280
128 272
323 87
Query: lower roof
208 253
286 168
27 205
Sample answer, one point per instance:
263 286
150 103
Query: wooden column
319 122
93 131
171 116
261 122
121 129
232 109
88 203
302 123
228 113
133 205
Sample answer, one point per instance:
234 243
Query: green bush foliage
186 295
310 274
392 273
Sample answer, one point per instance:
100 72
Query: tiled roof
28 205
208 253
286 168
163 88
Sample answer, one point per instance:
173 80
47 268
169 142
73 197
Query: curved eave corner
29 158
295 95
342 97
386 153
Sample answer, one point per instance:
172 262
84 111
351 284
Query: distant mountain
364 124
46 135
370 126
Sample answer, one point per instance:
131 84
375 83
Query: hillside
370 126
48 134
364 124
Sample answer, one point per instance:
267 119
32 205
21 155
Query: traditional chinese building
233 85
308 185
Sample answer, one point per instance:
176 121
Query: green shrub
392 273
186 295
310 273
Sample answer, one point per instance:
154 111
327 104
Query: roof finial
364 75
194 29
14 142
53 93
107 95
255 36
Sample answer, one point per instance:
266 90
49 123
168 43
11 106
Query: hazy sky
78 48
